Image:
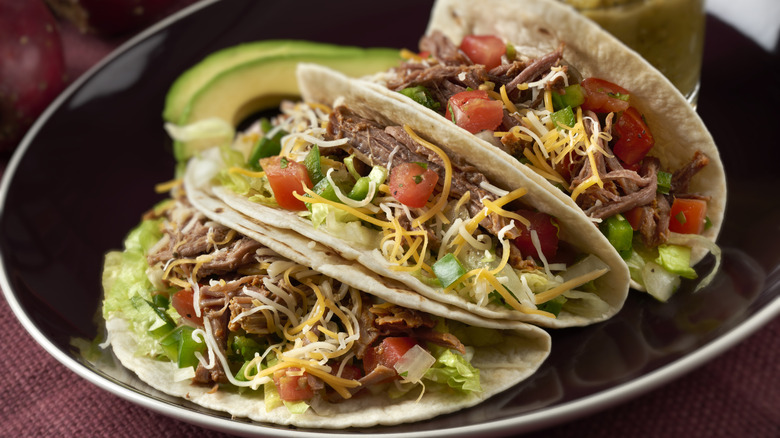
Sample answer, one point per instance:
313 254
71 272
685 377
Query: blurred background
47 44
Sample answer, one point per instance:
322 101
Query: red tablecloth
737 394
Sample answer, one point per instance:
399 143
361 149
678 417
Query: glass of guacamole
668 33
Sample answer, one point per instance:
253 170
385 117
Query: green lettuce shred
454 370
125 279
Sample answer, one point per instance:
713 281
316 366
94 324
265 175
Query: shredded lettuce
125 278
454 370
676 259
339 223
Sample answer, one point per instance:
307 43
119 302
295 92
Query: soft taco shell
538 27
321 85
501 366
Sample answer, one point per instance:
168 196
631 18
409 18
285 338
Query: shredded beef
442 48
256 323
190 234
654 222
681 178
239 253
218 322
389 320
535 70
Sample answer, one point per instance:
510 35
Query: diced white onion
414 363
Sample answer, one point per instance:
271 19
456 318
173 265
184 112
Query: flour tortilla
501 366
536 28
611 288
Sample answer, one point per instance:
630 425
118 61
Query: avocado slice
218 62
263 83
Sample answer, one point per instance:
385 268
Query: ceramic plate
87 171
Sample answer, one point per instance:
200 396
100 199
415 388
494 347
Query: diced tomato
387 353
688 216
484 49
412 184
604 97
475 111
293 384
182 302
634 139
350 372
546 229
634 217
286 177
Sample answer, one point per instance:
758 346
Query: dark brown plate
87 170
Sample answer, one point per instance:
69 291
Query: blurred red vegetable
32 67
112 17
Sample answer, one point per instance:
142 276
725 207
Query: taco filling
237 317
583 135
428 213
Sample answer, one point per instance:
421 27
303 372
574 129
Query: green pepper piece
240 374
188 347
664 182
245 347
572 96
511 52
564 118
325 189
161 300
266 146
553 306
349 163
359 191
448 270
314 165
180 347
421 95
619 233
170 345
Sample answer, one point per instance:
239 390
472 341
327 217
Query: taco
201 311
365 176
575 110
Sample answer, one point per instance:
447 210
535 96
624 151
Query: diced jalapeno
266 146
448 270
572 96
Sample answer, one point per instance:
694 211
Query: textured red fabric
735 395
